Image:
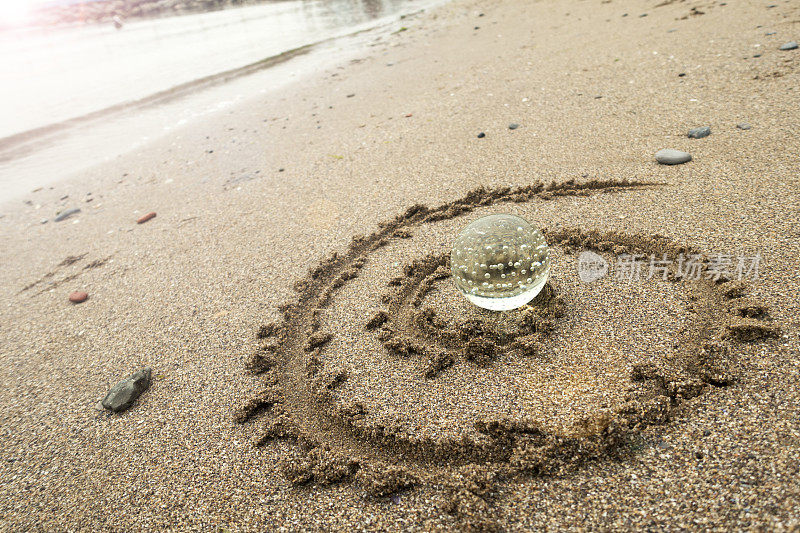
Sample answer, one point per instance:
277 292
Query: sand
652 404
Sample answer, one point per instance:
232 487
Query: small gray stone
123 394
668 156
67 213
791 45
513 126
699 133
744 126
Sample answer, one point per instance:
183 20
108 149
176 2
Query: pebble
144 218
67 213
668 156
481 135
699 133
744 126
791 45
513 126
123 394
78 297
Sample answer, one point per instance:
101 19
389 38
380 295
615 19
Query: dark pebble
513 126
123 394
744 126
67 213
481 135
699 133
682 74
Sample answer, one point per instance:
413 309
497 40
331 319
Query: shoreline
113 129
36 135
105 11
287 196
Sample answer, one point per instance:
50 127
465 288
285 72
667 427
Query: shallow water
53 75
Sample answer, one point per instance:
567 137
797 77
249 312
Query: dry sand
580 434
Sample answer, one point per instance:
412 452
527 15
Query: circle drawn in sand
411 389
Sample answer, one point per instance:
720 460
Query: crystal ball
500 262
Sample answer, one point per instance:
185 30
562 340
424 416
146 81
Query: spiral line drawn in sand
335 416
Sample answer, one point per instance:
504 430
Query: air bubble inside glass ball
500 262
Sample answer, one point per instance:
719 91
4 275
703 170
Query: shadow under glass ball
500 262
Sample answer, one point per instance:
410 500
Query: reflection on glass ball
500 262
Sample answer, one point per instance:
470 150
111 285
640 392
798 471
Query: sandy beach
313 366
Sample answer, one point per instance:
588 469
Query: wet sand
661 404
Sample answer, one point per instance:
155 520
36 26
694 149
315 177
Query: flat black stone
123 394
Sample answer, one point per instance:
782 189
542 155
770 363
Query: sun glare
15 12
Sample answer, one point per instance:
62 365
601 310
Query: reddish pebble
408 115
78 297
146 217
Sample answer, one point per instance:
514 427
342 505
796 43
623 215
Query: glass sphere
500 262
